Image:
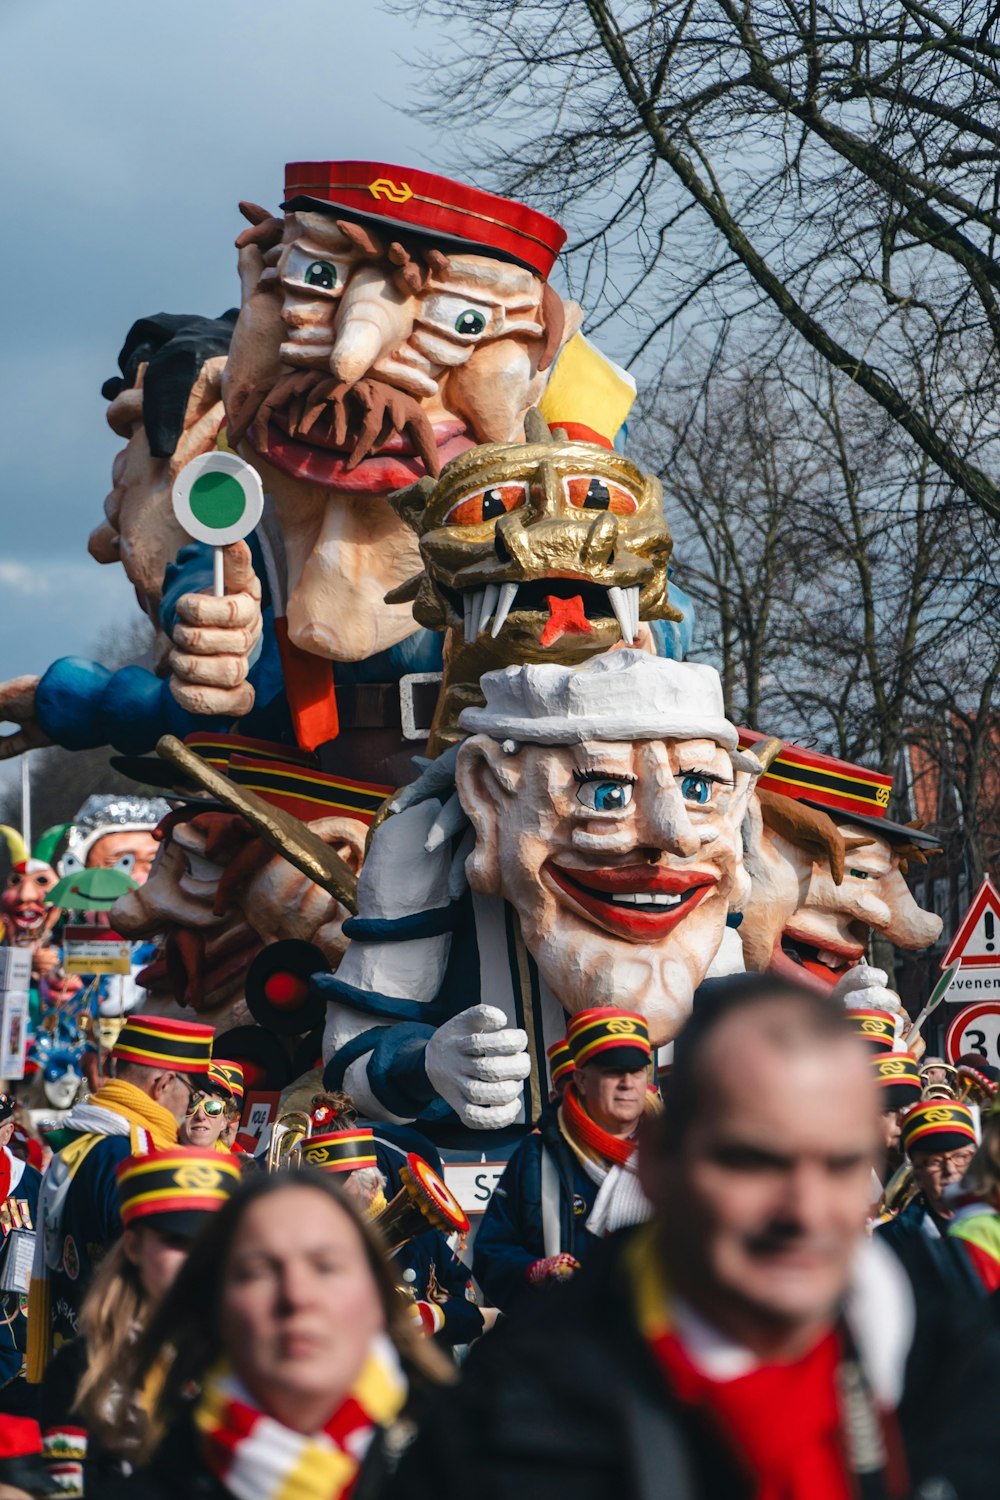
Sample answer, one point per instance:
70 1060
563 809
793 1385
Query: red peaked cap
410 201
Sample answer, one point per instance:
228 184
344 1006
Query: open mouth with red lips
639 902
201 972
322 461
29 917
826 962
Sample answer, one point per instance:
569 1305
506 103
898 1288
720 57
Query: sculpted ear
486 781
345 836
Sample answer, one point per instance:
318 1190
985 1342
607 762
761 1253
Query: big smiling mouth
635 901
826 964
394 466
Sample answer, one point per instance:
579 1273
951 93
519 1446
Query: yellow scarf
139 1109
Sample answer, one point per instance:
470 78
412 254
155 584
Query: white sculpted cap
622 695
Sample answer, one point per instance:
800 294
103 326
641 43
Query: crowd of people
768 1273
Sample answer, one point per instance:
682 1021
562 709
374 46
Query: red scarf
782 1420
614 1149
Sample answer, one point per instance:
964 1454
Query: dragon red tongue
566 617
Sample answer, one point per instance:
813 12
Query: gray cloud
131 131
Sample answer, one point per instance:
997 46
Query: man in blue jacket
572 1181
19 1188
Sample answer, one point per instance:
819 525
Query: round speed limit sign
975 1029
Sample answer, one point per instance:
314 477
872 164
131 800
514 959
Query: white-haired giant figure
582 847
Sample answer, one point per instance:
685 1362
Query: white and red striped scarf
258 1458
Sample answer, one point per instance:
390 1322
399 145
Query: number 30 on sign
975 1029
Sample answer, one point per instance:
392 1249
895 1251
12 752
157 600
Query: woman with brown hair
91 1426
288 1363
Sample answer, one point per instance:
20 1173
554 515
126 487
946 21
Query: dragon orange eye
486 505
592 493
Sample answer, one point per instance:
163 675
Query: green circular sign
217 500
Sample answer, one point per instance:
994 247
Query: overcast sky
130 132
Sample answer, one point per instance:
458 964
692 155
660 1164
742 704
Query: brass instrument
422 1203
289 1130
974 1087
899 1191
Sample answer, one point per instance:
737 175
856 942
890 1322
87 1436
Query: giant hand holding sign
604 857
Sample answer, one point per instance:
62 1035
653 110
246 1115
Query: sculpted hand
17 706
214 639
478 1063
552 1268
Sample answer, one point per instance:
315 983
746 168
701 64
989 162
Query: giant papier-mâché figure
826 872
597 821
390 320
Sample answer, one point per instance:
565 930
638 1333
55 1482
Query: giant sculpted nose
373 319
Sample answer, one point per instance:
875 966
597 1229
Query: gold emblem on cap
396 192
622 1026
198 1177
882 796
317 1153
874 1025
942 1116
892 1067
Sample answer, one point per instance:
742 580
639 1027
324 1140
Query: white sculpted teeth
618 599
508 593
632 594
490 596
647 898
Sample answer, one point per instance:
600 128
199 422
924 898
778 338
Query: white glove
865 988
477 1063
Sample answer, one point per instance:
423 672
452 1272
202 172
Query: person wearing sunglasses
212 1117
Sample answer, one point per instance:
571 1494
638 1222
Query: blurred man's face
935 1173
766 1199
614 1100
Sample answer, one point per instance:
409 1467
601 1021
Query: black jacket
566 1403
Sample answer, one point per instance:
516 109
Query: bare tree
838 162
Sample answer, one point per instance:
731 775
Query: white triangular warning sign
976 944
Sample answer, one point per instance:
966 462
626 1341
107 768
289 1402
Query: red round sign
976 1028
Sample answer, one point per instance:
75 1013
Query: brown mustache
363 416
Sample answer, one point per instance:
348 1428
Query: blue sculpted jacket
81 704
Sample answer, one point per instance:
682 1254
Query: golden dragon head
547 543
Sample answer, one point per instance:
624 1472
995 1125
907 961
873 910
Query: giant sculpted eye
320 274
593 493
486 505
457 315
603 794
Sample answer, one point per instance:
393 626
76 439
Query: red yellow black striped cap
849 793
406 200
897 1077
289 778
227 1076
560 1061
876 1027
611 1037
340 1151
175 1189
154 1042
937 1125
